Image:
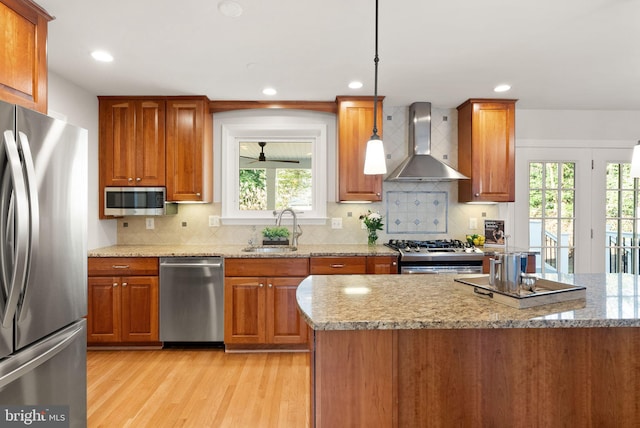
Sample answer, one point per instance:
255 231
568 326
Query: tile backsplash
420 210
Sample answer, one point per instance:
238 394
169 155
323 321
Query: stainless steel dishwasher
191 299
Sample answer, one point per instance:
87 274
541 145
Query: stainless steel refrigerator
43 268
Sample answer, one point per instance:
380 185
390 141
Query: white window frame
234 131
583 187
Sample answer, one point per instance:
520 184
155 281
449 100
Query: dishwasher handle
183 264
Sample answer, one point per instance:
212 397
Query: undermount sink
269 249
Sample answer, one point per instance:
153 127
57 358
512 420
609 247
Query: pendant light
635 161
374 162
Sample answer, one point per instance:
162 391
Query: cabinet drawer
122 266
338 265
267 267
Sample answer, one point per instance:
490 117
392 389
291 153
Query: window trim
295 129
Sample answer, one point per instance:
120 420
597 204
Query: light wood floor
197 388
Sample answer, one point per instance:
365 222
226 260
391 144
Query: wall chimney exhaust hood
420 165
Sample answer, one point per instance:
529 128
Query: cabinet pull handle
124 284
120 266
337 265
115 284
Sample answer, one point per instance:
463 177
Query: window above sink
270 163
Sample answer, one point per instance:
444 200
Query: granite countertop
328 302
236 251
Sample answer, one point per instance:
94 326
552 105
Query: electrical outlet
336 223
473 223
214 221
150 223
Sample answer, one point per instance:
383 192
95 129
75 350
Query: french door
579 208
553 207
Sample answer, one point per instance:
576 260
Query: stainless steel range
437 256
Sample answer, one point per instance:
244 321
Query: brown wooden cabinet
486 150
132 142
355 126
189 150
346 265
23 54
382 264
260 307
123 301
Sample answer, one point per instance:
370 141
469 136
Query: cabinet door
355 126
189 149
117 143
284 323
103 314
382 264
23 54
486 150
244 310
139 309
150 143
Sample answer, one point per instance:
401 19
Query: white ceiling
556 54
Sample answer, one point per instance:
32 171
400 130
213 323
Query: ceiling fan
263 158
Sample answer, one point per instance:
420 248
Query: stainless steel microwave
121 201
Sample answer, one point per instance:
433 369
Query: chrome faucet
295 233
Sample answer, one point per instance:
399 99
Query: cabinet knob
394 263
197 194
129 179
378 194
138 179
261 285
115 284
476 194
270 285
124 284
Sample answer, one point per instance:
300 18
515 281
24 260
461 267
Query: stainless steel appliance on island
43 268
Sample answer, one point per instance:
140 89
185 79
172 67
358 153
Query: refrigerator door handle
36 355
34 213
21 219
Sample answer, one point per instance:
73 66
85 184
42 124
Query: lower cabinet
123 301
260 307
346 265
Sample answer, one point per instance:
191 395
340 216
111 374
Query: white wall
79 107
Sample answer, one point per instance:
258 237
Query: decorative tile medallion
417 212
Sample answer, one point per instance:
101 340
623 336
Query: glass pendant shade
635 161
374 161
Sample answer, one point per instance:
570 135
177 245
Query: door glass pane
621 228
552 214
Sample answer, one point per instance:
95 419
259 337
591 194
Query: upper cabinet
189 150
132 142
355 126
157 141
23 54
486 150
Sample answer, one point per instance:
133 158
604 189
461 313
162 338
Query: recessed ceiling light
269 91
102 56
502 88
355 85
230 8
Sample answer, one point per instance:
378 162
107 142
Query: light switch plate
214 221
336 223
473 223
150 223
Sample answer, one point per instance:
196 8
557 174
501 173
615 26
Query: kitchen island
405 350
